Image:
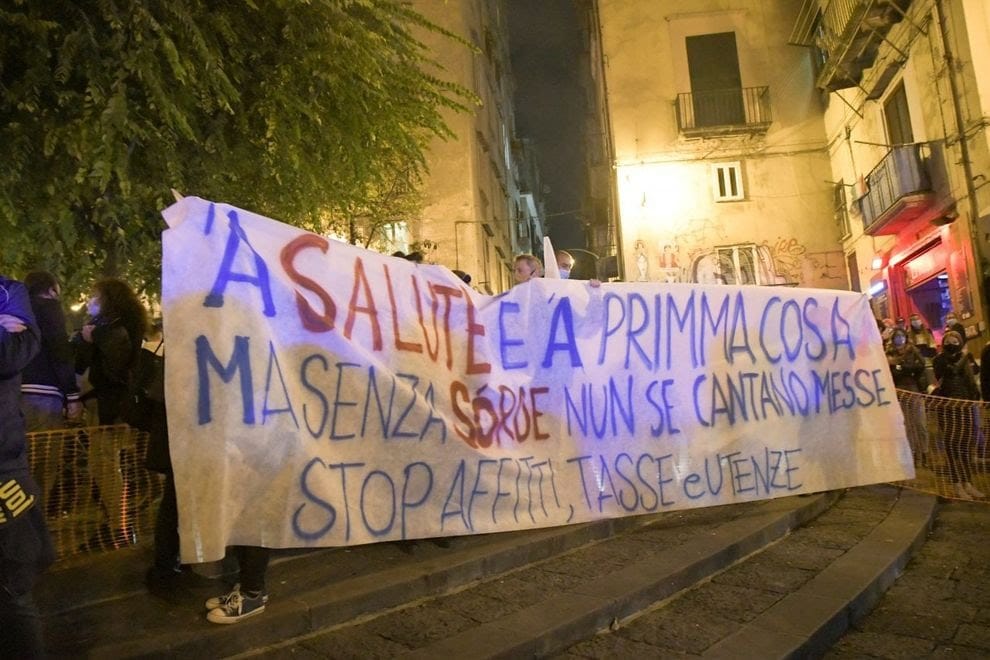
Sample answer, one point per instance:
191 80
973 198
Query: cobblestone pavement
940 606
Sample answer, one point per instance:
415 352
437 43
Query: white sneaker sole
223 619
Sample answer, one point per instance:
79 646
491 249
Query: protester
954 371
25 547
149 399
908 370
108 345
921 336
526 268
886 330
565 263
49 392
952 322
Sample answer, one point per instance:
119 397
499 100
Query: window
737 264
727 182
716 85
897 117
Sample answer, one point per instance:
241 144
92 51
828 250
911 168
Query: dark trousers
254 564
25 550
20 626
960 435
167 529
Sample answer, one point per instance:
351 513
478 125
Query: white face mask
93 307
564 273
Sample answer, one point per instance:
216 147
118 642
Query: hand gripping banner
321 395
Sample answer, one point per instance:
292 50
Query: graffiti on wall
702 255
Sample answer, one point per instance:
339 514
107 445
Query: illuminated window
727 182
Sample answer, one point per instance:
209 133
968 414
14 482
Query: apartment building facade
907 83
721 165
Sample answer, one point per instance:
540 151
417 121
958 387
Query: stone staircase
777 578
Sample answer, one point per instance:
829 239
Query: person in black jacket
25 547
954 371
49 393
908 369
109 345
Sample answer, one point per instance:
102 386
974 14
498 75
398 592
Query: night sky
544 39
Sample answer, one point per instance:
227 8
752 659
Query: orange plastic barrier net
949 440
96 492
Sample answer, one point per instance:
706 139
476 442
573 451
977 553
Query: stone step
796 598
99 607
543 606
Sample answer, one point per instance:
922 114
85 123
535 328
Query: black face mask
952 349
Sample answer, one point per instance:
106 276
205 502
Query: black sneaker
237 606
221 601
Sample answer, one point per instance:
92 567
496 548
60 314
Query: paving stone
608 647
977 636
928 590
804 555
763 573
930 626
841 537
959 653
733 602
354 644
679 631
480 607
858 645
417 626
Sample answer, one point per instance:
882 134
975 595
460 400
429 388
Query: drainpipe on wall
973 204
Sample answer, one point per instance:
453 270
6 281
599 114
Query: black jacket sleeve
55 344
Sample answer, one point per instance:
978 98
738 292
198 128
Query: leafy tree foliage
314 112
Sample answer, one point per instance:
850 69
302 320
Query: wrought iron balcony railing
847 35
741 110
900 188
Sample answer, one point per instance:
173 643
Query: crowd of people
950 371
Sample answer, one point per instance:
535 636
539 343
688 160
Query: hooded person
954 371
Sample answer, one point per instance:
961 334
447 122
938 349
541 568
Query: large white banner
320 394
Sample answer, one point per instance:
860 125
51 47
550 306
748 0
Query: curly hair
118 301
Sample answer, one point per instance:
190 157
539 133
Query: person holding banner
249 596
25 547
526 268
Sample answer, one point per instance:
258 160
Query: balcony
724 112
903 187
847 35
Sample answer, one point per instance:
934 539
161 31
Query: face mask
952 348
916 325
565 273
951 321
93 307
899 341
